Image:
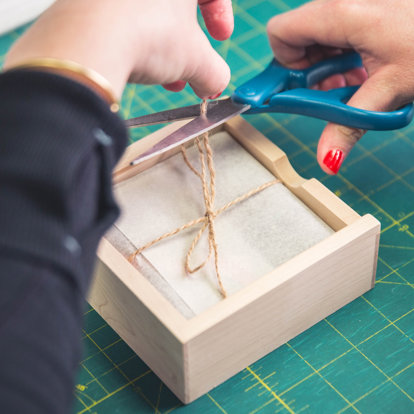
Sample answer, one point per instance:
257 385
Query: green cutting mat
360 359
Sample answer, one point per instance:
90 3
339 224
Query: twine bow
209 195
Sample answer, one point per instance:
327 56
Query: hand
218 17
382 31
153 42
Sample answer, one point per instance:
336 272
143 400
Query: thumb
377 93
210 74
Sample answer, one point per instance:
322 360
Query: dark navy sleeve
58 145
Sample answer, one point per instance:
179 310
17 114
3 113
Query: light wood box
192 356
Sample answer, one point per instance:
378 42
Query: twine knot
210 215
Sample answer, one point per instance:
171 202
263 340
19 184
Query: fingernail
215 96
333 160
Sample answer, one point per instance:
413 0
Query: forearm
90 33
49 142
59 142
152 42
40 327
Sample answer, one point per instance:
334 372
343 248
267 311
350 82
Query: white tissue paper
15 13
253 237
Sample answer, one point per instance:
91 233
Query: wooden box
193 355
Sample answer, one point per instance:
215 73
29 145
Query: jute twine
209 194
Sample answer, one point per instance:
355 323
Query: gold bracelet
76 71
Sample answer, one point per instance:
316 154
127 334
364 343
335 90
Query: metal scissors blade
176 114
220 112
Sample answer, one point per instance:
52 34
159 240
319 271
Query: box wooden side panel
375 265
138 326
315 284
325 204
315 195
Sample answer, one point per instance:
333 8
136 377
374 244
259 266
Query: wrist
72 70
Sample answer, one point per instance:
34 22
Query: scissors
283 90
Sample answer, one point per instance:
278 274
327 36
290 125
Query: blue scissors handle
279 89
329 106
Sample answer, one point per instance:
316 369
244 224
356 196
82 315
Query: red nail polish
215 96
333 160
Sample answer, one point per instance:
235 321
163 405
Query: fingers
336 141
218 16
208 81
315 23
211 75
176 86
354 77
